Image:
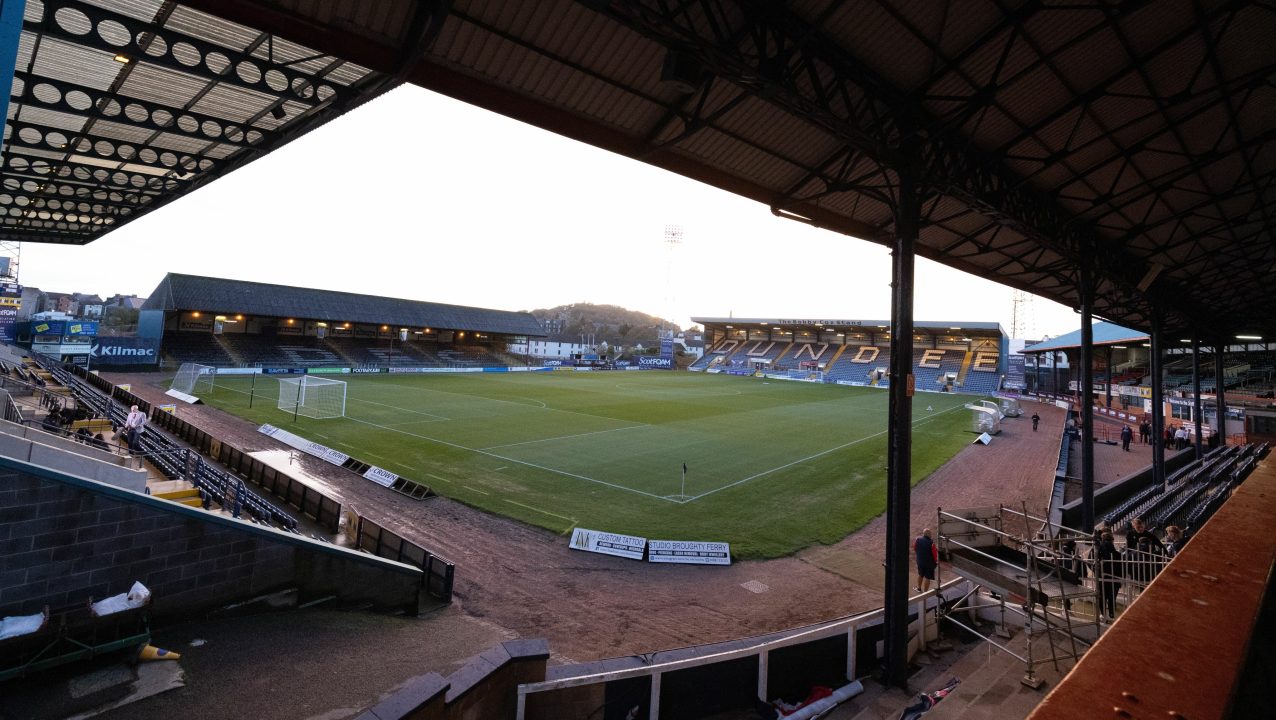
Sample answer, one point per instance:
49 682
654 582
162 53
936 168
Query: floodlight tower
1021 316
673 238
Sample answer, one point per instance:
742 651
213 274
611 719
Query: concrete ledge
68 456
487 687
421 699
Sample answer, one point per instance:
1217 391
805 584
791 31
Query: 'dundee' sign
626 546
689 551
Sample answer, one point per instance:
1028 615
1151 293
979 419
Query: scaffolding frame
1033 570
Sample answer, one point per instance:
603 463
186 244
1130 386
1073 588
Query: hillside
600 323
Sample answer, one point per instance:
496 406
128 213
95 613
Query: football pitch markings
675 499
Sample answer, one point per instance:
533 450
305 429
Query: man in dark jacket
1108 572
927 560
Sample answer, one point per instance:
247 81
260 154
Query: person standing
1180 438
1035 419
133 425
927 560
1126 436
1145 432
1108 573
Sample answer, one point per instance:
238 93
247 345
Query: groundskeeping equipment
313 397
194 379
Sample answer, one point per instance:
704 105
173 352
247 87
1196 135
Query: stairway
965 369
230 351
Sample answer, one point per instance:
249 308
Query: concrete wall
486 688
28 444
64 539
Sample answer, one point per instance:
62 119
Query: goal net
313 397
194 379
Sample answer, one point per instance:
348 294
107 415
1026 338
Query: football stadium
270 500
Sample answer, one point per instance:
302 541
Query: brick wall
65 539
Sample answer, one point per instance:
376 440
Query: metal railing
760 649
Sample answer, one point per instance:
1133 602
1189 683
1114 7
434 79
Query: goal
314 397
194 379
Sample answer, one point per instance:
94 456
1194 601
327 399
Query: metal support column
1107 380
1086 385
899 437
1220 402
1158 402
1197 415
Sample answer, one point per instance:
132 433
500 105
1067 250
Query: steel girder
777 56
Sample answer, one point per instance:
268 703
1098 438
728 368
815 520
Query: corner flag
684 468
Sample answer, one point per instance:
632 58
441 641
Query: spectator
1180 438
1173 540
1108 573
1126 436
1035 419
133 428
927 560
1145 432
1139 531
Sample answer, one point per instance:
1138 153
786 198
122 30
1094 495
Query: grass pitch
772 466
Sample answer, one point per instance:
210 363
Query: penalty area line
516 461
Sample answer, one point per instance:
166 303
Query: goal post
313 397
194 379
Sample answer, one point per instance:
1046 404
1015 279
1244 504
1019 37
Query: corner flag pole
684 480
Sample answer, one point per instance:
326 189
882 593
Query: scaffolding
1027 566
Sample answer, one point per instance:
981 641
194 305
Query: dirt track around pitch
526 580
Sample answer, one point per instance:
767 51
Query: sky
419 196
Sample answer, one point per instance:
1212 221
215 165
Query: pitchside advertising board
10 301
662 363
124 351
687 552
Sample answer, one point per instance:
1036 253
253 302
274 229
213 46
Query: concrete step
182 494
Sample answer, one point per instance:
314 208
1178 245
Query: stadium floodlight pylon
194 379
313 397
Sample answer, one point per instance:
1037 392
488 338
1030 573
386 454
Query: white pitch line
396 407
371 454
543 512
436 477
480 492
810 457
516 461
410 467
566 437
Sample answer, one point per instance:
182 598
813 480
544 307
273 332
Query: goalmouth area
771 466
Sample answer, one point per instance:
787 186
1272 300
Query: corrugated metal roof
1137 135
162 98
1104 334
178 292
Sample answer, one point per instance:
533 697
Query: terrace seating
930 378
194 347
287 351
846 370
